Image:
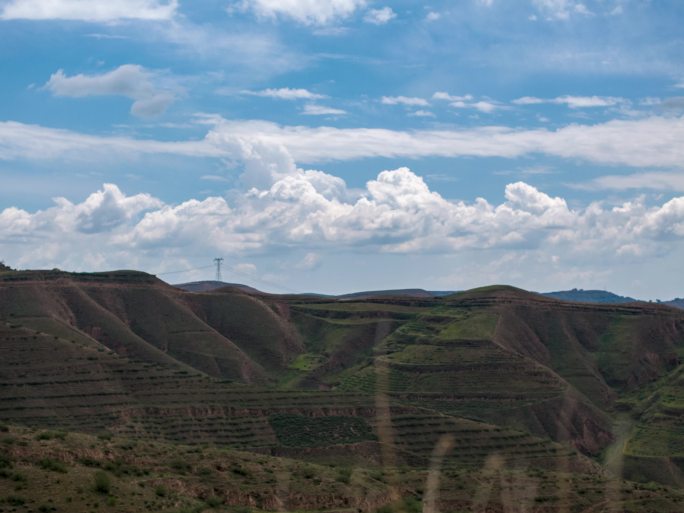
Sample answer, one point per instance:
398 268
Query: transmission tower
218 262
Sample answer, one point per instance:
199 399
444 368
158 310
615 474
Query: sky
341 145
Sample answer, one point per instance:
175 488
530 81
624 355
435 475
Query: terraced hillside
490 382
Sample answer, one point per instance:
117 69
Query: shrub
344 475
213 501
180 466
103 484
5 462
15 500
160 491
51 435
52 465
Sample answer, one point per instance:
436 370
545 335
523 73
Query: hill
208 286
589 296
489 382
676 303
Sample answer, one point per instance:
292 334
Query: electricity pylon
218 262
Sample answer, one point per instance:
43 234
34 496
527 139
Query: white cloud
19 141
662 181
286 93
647 142
441 95
574 102
380 16
312 109
467 102
404 100
129 80
89 10
432 16
561 9
307 12
422 114
236 53
305 210
483 106
309 262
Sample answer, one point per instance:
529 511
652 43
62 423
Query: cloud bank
312 212
647 142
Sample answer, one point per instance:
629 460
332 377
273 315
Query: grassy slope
56 471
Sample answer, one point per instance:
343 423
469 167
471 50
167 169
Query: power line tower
218 262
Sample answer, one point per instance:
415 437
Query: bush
5 462
180 466
344 475
51 435
160 491
103 484
52 465
15 500
213 502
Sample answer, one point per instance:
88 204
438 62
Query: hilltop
504 380
590 296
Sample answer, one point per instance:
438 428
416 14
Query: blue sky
343 145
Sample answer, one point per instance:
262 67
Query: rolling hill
571 405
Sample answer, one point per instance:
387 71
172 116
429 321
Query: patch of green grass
472 326
306 362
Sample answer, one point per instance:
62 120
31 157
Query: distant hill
589 296
210 286
676 302
418 293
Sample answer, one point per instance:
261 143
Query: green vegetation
102 482
300 431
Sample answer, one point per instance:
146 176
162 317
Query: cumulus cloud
307 12
311 211
404 100
286 93
89 10
102 212
129 80
380 16
574 102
